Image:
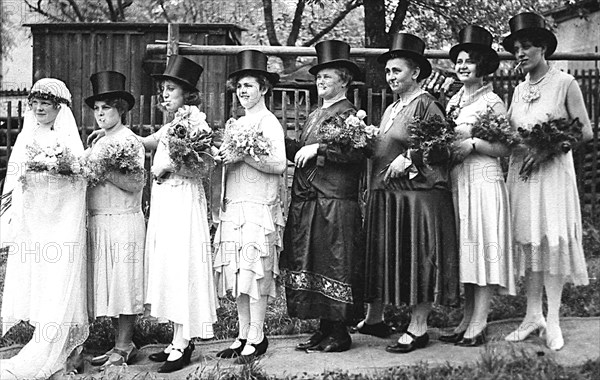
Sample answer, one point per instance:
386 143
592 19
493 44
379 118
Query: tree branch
165 14
438 9
111 10
399 16
296 23
76 10
39 10
352 5
269 24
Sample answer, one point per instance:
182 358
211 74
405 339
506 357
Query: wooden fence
292 106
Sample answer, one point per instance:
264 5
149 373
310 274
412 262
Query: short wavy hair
478 58
191 96
263 82
121 105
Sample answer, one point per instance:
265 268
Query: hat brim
492 60
509 41
111 95
186 84
423 62
353 67
271 77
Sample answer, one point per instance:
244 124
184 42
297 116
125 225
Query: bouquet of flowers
54 159
348 132
120 157
494 128
189 138
548 140
240 140
433 137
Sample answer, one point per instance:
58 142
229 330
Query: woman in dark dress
323 244
411 240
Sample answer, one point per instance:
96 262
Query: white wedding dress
44 230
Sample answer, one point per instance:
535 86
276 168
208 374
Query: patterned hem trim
313 282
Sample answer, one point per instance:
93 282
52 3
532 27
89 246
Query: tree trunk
375 36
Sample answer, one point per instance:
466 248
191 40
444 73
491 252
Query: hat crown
526 20
408 42
332 50
251 60
473 34
183 69
107 81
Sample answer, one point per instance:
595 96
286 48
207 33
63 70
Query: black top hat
405 45
183 70
473 37
334 53
253 61
109 84
529 24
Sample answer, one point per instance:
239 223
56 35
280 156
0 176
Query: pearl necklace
531 91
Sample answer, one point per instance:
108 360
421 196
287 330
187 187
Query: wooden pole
172 40
310 52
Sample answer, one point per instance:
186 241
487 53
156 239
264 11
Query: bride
43 227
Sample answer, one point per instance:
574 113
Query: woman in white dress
181 285
249 237
546 217
478 189
44 229
116 226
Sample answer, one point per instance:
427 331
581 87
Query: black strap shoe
417 342
229 353
259 349
176 365
452 338
380 330
475 341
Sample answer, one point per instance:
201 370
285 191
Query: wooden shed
73 51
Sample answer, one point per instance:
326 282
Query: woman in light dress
478 188
546 217
44 229
180 281
116 226
249 237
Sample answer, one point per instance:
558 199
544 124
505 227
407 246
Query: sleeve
291 148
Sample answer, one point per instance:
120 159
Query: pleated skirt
411 247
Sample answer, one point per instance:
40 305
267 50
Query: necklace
531 91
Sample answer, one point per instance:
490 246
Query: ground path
582 342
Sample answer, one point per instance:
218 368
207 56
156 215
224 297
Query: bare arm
576 108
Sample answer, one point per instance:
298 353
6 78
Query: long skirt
412 254
324 260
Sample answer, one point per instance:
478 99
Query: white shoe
527 328
554 338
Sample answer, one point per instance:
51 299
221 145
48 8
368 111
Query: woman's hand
159 172
463 149
227 159
532 162
397 168
95 136
305 153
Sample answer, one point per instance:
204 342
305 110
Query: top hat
529 24
473 37
109 84
253 61
183 70
333 53
405 45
